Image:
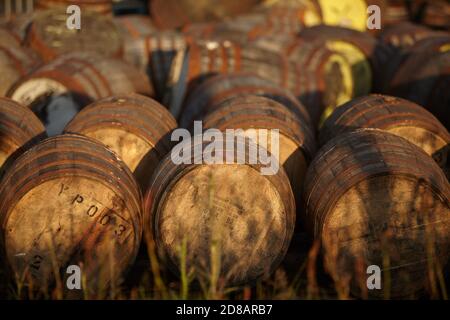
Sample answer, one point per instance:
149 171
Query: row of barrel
376 192
323 66
376 187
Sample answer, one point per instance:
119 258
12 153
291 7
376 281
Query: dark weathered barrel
374 198
70 201
406 34
50 36
59 89
395 115
99 6
226 212
209 94
19 129
135 127
424 77
257 116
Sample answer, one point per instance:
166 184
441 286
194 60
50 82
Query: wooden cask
234 231
99 6
205 97
374 198
50 37
70 201
424 78
395 115
7 37
19 129
135 127
406 34
436 14
170 14
319 77
15 62
133 29
258 115
366 55
59 89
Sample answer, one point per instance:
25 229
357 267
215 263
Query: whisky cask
98 6
8 38
50 37
424 78
15 62
395 115
366 55
58 90
171 14
135 127
374 198
256 115
19 129
133 29
436 14
70 201
233 230
405 34
205 97
319 77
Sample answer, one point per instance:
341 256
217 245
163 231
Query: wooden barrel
319 77
18 25
258 115
135 127
397 11
59 89
133 29
374 198
205 98
348 13
405 34
15 62
70 201
98 6
19 129
49 35
7 37
170 14
424 78
366 55
436 14
233 230
395 115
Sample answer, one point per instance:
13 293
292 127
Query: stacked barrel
215 135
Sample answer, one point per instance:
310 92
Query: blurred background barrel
99 6
226 212
395 115
170 14
15 61
19 129
374 198
70 201
365 54
256 115
59 89
50 36
135 127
